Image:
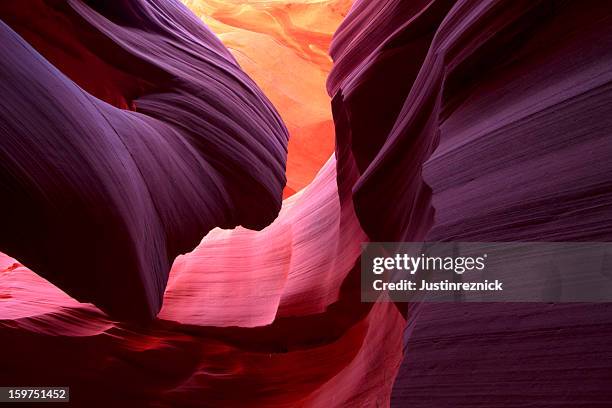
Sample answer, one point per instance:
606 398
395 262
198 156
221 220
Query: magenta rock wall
151 261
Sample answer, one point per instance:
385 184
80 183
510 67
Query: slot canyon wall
175 238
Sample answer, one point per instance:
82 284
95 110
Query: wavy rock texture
454 120
164 139
233 329
283 46
498 130
240 313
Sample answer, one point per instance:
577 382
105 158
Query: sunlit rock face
265 319
475 120
269 319
283 45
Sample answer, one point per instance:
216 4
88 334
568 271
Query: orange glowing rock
283 46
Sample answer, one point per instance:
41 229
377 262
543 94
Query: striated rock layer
468 120
128 132
269 318
283 45
484 121
279 326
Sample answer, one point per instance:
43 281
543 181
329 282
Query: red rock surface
454 120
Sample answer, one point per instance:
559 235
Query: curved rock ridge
127 132
484 121
388 127
455 120
290 39
481 88
241 313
